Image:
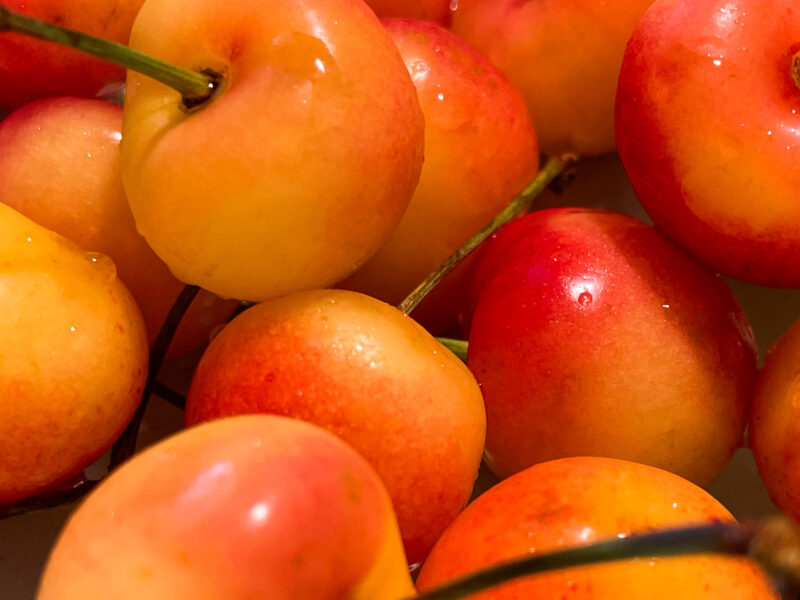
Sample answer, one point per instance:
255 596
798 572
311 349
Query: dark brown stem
552 170
795 69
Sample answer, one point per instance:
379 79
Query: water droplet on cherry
104 265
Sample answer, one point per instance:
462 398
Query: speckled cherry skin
595 335
576 501
480 152
31 68
708 128
73 357
249 507
368 373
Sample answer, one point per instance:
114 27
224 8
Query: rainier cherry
708 127
577 501
251 507
300 167
73 357
480 151
59 166
775 422
595 335
564 56
371 375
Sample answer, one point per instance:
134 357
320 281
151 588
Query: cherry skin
775 422
31 68
425 10
368 373
73 357
300 167
577 501
480 152
563 56
75 142
250 507
595 335
708 128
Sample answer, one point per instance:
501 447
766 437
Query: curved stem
795 69
553 168
126 444
457 347
726 538
194 87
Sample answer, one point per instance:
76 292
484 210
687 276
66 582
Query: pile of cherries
290 171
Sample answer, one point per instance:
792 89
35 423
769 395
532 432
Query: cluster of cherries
312 164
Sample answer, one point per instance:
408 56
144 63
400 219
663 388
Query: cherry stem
125 446
194 87
795 69
457 347
553 169
774 543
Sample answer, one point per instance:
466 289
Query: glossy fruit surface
574 502
480 152
563 56
73 357
59 166
775 422
595 335
300 168
426 10
251 507
369 374
31 69
708 127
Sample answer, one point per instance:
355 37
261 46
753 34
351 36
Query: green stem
795 69
457 347
194 87
726 538
553 168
